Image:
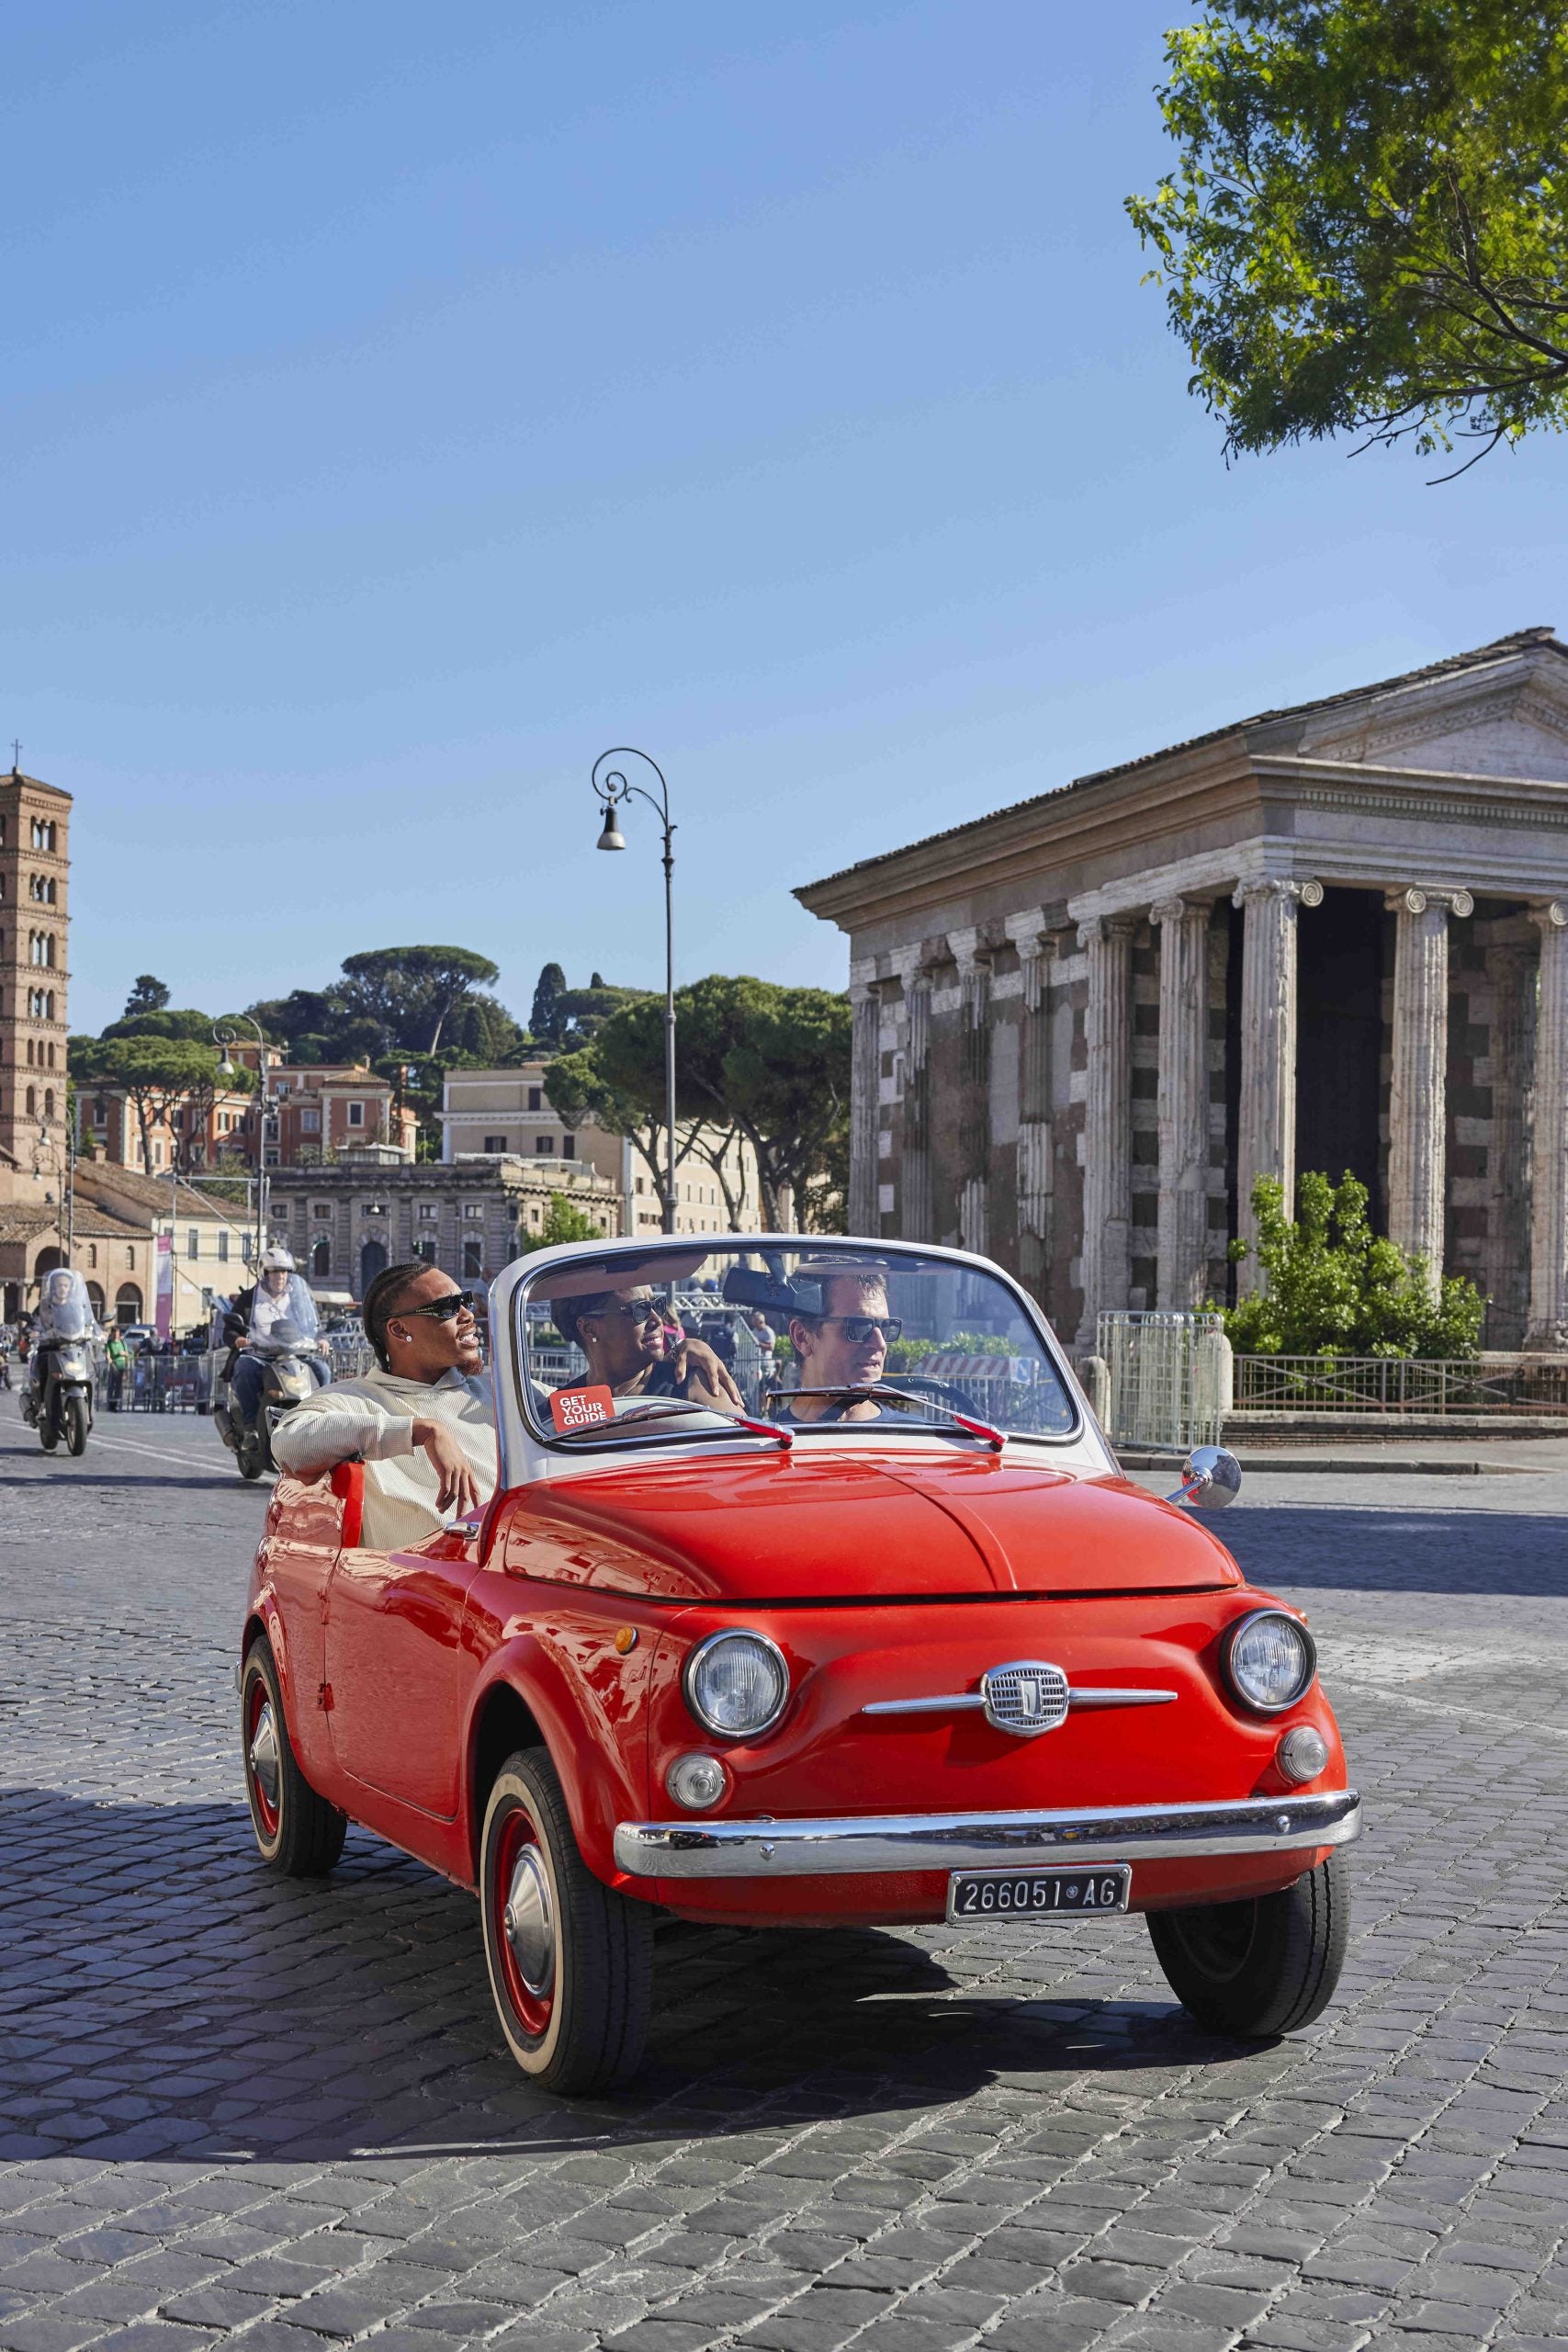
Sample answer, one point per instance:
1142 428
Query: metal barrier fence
1168 1377
351 1353
154 1383
160 1383
1341 1385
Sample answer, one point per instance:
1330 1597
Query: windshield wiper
995 1439
655 1406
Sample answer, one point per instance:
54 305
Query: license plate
1033 1895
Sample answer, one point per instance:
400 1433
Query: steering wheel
940 1392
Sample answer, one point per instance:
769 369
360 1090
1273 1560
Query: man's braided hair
382 1300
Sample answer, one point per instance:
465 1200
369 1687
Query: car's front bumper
959 1841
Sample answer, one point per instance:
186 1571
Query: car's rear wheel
299 1834
570 1962
1263 1967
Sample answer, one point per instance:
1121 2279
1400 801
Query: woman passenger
631 1351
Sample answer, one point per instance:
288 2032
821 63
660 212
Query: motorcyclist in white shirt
280 1296
64 1314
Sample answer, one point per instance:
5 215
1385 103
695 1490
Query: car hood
885 1528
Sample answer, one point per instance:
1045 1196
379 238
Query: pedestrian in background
118 1359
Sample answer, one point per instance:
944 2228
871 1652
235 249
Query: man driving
627 1342
840 1348
423 1422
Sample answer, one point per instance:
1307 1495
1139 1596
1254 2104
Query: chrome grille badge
1025 1697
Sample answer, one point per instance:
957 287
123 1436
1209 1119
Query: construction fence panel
1168 1377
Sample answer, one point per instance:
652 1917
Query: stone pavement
281 2114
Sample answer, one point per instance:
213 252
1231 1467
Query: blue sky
405 404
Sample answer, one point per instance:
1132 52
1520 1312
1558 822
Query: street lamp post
225 1033
613 791
61 1157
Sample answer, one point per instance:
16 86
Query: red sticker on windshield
578 1409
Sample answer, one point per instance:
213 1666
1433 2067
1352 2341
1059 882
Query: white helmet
276 1260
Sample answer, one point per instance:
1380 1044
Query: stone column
1511 963
914 1191
1183 1099
1549 1150
1107 1124
1418 1097
1036 959
1266 1131
865 1090
972 956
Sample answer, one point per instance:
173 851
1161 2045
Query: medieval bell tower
35 821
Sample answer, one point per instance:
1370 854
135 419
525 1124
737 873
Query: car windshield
816 1337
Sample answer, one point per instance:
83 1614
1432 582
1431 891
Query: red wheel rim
523 1924
262 1760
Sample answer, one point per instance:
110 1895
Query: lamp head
612 837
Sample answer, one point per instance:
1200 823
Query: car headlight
737 1685
1269 1660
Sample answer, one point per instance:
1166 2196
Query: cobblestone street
282 2113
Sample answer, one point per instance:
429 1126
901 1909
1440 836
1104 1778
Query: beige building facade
346 1222
494 1111
1334 936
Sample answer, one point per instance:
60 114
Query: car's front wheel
570 1962
298 1832
1263 1967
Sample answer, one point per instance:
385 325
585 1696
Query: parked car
138 1336
870 1651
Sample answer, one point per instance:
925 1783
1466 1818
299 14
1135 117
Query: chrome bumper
963 1841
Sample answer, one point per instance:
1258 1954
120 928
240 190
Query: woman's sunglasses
637 1310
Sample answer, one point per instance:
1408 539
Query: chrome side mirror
1211 1479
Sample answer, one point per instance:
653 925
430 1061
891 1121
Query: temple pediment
1506 719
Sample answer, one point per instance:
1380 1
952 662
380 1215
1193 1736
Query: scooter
285 1381
59 1402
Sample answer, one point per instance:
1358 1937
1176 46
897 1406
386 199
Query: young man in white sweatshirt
423 1422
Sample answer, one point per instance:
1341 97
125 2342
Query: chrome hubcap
529 1922
264 1756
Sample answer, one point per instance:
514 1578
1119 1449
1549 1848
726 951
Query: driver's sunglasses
458 1302
859 1329
635 1310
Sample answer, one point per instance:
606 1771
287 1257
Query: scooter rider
64 1330
278 1296
64 1313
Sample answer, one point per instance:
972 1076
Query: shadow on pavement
152 1477
1392 1551
166 1997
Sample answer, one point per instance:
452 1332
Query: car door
398 1670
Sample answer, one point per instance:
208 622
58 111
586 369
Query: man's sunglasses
859 1329
458 1302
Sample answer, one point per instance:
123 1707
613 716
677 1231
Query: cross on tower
16 756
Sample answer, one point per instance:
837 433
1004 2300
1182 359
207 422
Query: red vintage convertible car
888 1639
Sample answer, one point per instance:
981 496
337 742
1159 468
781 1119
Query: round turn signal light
1303 1754
696 1781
